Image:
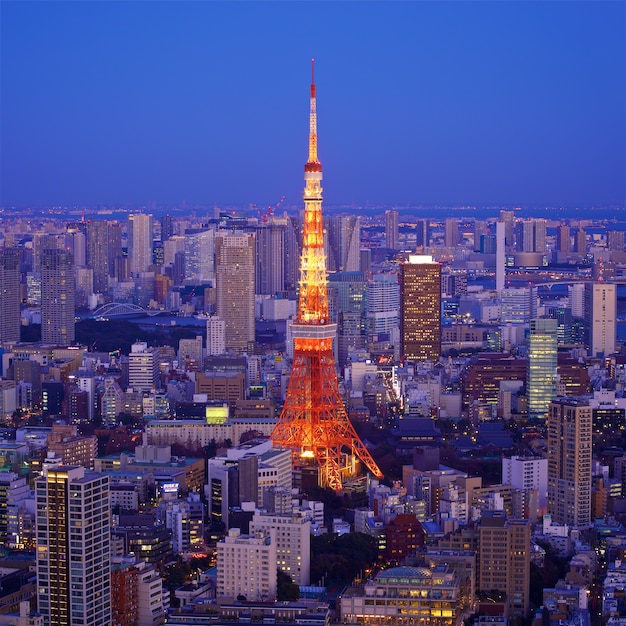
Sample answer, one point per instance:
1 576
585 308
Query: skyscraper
140 242
57 297
615 240
391 230
500 255
563 240
451 232
422 233
9 295
600 318
98 253
344 243
73 521
270 259
200 254
420 308
569 461
143 367
234 266
508 218
383 304
542 366
215 336
504 560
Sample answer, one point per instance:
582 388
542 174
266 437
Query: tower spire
313 164
314 423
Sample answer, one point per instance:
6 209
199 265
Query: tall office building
343 246
504 560
57 297
383 304
563 239
600 308
531 235
79 248
515 305
451 233
73 522
293 249
422 233
569 461
143 367
500 255
542 366
420 308
167 227
508 219
270 259
293 542
528 474
615 240
391 230
347 291
9 294
246 566
140 242
215 336
580 241
98 253
234 267
200 254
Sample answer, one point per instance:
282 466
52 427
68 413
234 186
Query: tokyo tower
314 423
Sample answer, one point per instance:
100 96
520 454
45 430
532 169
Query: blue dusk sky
458 103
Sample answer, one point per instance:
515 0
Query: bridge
119 309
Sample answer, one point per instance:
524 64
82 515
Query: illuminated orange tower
314 423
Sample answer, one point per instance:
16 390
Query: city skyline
426 103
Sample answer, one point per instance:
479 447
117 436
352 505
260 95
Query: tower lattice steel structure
314 423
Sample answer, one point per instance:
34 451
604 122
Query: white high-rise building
13 495
383 304
527 474
600 318
143 367
293 542
73 521
515 306
200 254
215 336
576 295
246 566
500 256
140 242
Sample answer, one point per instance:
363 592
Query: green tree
287 590
342 558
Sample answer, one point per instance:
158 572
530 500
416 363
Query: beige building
406 596
246 566
235 267
72 448
504 560
569 461
293 542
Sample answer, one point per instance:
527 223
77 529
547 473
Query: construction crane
269 211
